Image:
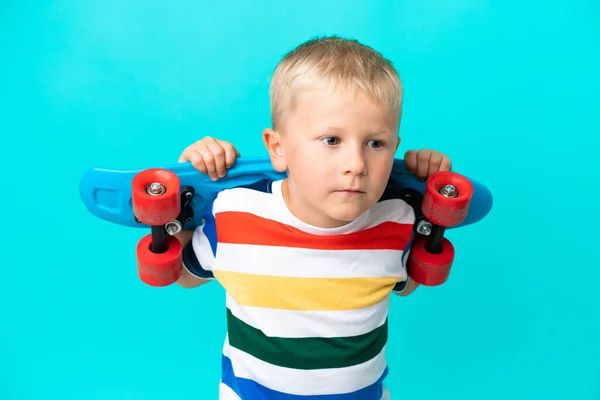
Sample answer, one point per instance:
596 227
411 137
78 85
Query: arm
198 255
409 287
188 280
213 157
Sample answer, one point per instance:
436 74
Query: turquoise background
508 89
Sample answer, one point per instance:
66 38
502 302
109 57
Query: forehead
341 107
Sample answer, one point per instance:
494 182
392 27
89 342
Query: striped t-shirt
307 307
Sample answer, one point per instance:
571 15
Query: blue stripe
400 286
248 389
263 185
407 248
210 230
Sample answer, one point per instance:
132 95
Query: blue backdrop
508 89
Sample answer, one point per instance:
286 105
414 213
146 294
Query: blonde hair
345 63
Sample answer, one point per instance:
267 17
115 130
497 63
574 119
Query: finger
230 154
190 150
410 159
423 164
434 163
198 162
445 165
218 153
209 161
186 155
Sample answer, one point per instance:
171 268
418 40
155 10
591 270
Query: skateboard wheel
159 269
430 269
447 198
155 196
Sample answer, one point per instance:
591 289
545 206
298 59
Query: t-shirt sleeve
199 254
401 285
395 193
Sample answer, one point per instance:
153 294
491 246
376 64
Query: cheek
380 172
309 162
313 174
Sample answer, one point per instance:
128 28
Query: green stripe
306 353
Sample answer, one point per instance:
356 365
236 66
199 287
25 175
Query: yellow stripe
290 293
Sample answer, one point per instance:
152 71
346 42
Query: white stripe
226 393
309 263
394 210
271 206
301 324
306 382
252 201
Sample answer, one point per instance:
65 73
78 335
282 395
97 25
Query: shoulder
243 197
392 205
261 186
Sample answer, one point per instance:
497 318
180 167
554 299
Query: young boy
308 263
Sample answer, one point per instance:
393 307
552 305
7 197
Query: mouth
350 191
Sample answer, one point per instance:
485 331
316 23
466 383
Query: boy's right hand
211 156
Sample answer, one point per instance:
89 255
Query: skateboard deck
107 193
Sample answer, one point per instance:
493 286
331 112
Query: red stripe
243 228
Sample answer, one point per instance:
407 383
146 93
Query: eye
376 143
331 141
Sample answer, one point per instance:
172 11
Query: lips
350 191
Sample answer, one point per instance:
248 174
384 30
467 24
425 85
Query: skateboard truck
187 212
158 201
421 226
159 242
160 233
445 203
434 232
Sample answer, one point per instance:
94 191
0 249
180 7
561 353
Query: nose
355 163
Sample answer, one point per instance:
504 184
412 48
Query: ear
272 141
398 143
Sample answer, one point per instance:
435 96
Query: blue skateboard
106 193
175 197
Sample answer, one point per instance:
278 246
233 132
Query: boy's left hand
424 163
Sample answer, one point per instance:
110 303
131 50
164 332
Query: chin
347 215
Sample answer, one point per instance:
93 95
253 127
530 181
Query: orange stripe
243 228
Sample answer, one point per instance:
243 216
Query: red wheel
447 198
159 269
430 269
155 196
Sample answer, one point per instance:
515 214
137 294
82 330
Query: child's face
339 150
